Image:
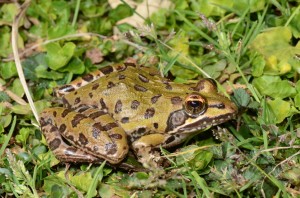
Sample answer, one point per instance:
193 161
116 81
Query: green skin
122 107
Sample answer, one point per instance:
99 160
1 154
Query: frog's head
201 109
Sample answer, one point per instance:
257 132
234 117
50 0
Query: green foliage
273 86
58 56
8 70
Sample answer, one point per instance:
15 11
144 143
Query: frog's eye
195 105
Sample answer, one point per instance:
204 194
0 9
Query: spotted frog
124 107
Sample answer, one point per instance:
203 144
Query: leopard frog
122 107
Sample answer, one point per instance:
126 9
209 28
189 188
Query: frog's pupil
194 103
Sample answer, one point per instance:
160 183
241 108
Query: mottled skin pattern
120 107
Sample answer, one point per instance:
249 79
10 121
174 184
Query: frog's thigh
105 140
61 150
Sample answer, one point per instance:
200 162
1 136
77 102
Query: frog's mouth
189 125
204 123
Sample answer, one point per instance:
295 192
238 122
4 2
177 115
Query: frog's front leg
90 130
145 147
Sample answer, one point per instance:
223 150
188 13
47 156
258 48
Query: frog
127 107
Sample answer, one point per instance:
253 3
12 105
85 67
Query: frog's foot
147 151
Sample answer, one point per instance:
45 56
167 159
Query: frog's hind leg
63 151
84 130
88 78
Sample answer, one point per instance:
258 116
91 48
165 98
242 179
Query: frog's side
116 108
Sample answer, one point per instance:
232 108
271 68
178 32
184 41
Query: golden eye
195 105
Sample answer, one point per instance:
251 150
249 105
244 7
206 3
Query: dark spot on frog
77 119
149 113
120 68
135 104
65 102
70 151
49 121
97 114
91 95
43 122
168 86
95 86
70 138
116 136
110 148
75 93
79 84
88 77
54 144
125 120
122 77
95 148
67 88
143 78
82 108
98 127
140 88
65 113
170 139
77 100
62 128
141 131
107 70
110 85
82 139
176 119
54 113
102 103
176 100
155 98
155 125
118 106
130 64
96 132
53 129
110 126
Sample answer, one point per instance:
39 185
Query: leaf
75 66
297 100
258 66
120 12
60 30
7 12
55 182
215 70
4 97
280 108
89 9
5 45
274 45
187 154
58 56
273 86
159 18
42 72
5 120
201 160
17 88
8 70
241 97
23 135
